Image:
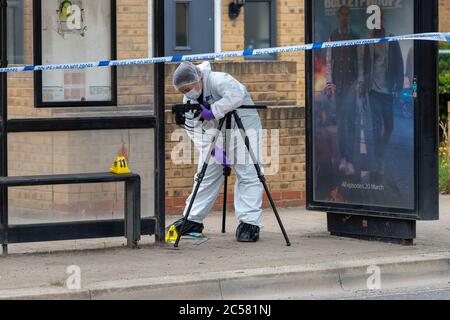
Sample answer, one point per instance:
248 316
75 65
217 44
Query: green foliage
443 180
444 95
444 60
444 98
443 160
443 175
444 83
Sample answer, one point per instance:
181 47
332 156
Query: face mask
194 94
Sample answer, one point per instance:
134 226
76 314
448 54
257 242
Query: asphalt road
409 294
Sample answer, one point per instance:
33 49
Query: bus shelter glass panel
363 110
53 32
50 153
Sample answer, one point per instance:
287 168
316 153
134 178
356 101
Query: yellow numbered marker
120 166
172 235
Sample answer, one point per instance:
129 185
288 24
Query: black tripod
201 175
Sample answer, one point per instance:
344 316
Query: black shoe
189 227
247 233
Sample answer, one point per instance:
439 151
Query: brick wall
232 30
291 31
269 82
444 15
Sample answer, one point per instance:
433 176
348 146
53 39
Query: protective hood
205 68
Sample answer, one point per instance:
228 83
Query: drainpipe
218 25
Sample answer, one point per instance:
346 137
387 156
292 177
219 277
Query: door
189 26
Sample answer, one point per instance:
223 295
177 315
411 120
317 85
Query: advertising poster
70 31
363 105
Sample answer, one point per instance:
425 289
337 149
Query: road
420 295
406 294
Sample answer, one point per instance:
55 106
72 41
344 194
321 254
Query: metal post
133 212
3 126
159 87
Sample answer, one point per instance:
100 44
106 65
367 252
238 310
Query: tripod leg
226 172
199 180
261 176
225 195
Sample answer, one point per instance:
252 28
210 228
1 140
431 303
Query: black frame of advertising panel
426 137
37 59
155 122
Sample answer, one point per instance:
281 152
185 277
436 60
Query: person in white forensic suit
218 94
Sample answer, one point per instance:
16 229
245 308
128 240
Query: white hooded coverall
225 94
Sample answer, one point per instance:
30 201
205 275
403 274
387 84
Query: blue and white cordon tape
241 53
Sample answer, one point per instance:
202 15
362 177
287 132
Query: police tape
437 36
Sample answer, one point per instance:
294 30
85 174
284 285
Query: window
182 11
15 32
75 31
260 26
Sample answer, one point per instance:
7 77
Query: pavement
316 265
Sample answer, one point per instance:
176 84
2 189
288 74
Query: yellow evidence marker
172 235
120 166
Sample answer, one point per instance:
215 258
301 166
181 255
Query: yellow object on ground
120 166
172 235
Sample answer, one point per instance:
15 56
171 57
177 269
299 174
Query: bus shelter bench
131 227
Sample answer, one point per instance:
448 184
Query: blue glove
221 157
207 114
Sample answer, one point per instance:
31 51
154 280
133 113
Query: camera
180 110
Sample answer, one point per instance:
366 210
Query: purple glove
221 157
207 114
